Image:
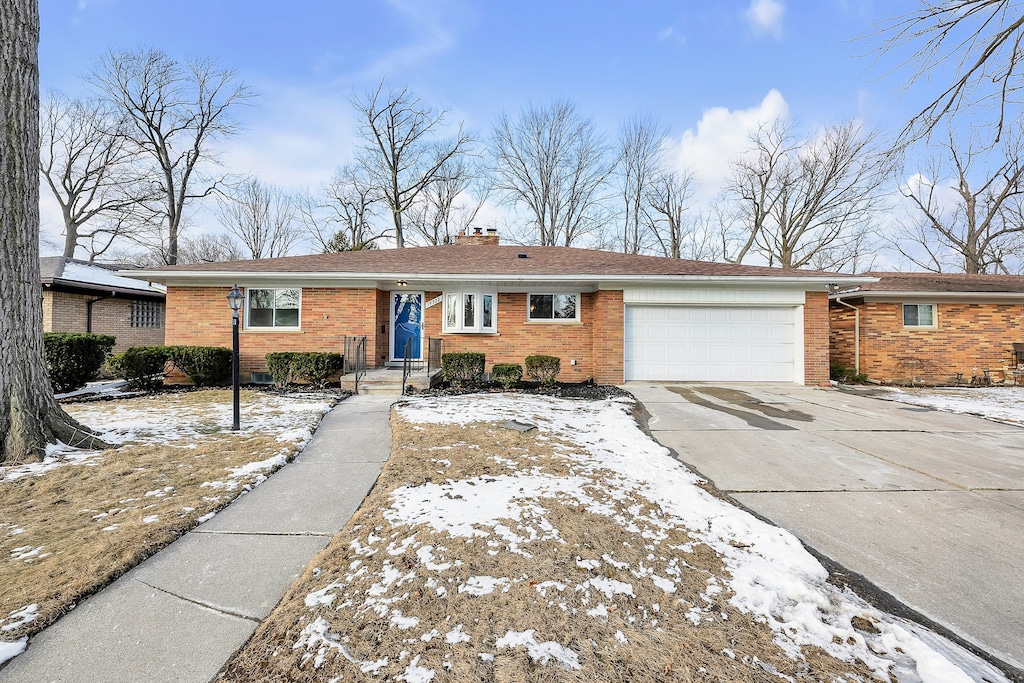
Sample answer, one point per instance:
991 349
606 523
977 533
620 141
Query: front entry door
406 325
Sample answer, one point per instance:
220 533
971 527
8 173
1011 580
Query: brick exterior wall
200 316
517 338
816 337
967 336
68 312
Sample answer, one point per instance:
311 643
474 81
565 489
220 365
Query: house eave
439 280
897 296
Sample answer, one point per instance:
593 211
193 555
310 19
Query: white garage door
710 344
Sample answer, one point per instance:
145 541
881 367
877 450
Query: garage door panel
725 343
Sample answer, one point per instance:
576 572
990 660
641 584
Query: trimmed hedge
462 369
543 369
72 359
204 365
314 367
507 374
142 366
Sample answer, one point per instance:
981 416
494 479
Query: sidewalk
182 613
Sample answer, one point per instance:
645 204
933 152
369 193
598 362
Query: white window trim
478 311
272 328
935 317
531 319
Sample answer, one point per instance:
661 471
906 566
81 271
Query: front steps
385 381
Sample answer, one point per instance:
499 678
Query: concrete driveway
928 506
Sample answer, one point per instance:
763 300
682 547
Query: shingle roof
72 273
943 282
492 260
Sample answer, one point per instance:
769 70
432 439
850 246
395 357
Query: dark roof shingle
943 282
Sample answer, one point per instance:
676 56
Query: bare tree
966 223
554 163
668 195
401 152
261 216
29 416
210 249
982 39
173 114
639 163
339 217
450 204
793 199
87 166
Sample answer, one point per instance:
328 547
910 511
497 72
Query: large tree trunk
29 416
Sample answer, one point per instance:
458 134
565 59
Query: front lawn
1003 404
74 523
580 550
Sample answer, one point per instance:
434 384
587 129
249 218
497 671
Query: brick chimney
478 237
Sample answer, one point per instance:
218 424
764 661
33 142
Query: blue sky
706 69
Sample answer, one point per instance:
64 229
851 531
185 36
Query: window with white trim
470 311
272 308
918 315
553 307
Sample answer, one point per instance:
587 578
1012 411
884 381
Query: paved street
929 506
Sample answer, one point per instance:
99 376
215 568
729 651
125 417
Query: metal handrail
406 363
355 358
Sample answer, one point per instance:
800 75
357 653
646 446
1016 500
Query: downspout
856 332
88 310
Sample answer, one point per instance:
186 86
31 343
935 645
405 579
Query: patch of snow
540 652
11 649
483 585
456 636
207 517
610 587
150 519
416 674
1003 404
20 617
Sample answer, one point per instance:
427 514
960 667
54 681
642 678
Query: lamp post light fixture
235 299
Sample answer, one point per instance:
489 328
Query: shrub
543 369
316 367
204 365
840 373
507 374
142 366
462 369
73 359
279 365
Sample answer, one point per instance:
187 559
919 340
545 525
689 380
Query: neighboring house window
918 315
470 311
272 308
146 314
556 307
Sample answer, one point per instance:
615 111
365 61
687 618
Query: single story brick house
928 326
80 296
608 316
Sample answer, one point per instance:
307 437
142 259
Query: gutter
856 332
88 309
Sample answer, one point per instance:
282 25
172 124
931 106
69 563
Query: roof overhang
894 296
76 287
439 281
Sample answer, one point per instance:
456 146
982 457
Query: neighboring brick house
608 316
79 296
928 326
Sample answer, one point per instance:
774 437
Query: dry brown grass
152 493
664 644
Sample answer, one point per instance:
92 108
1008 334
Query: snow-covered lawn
566 553
1005 404
72 523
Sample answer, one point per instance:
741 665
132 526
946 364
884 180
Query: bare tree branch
553 162
639 163
261 216
401 154
172 115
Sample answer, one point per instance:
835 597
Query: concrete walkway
182 613
927 505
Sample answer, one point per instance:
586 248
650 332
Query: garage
713 343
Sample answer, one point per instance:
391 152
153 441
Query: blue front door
407 325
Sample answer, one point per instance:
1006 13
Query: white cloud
722 135
670 33
765 16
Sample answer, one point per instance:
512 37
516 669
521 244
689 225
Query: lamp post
235 298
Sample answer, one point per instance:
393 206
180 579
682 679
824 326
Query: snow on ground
1003 404
289 418
770 574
